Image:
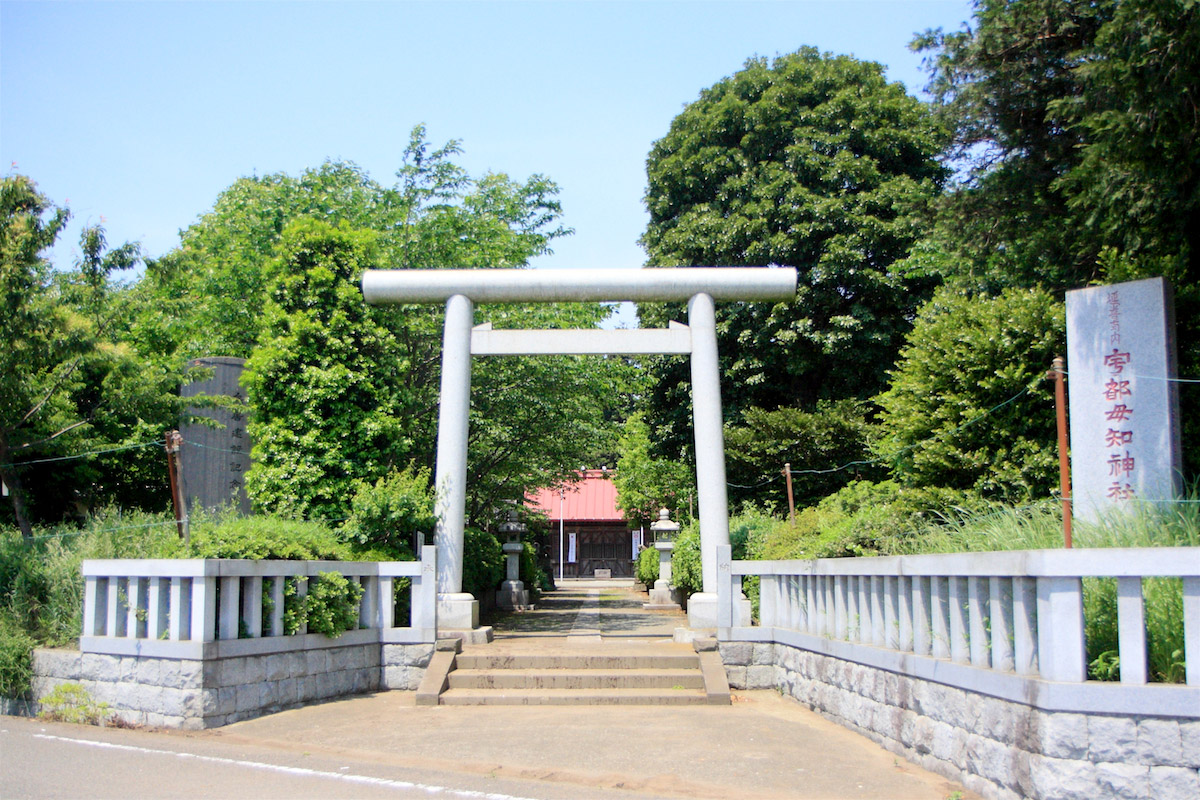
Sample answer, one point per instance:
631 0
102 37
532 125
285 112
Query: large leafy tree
1075 131
342 392
995 83
70 380
810 161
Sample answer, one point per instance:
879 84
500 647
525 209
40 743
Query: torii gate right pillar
707 424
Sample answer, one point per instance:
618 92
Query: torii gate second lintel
461 340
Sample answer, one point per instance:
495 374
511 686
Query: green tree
69 382
994 85
325 415
344 392
827 448
646 484
967 408
810 161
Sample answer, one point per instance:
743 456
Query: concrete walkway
763 746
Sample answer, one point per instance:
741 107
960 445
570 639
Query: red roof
592 499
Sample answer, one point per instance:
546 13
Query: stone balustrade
975 665
215 608
201 643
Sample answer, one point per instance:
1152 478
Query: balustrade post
853 609
230 617
180 614
1025 626
424 593
939 619
864 609
1191 629
368 615
811 612
768 606
905 611
92 606
1131 630
1061 652
877 625
158 603
977 621
385 605
891 627
114 621
839 607
301 596
1000 620
252 596
922 623
278 605
204 608
957 606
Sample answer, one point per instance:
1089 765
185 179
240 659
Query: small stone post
512 594
663 596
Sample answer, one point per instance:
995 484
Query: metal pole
1058 373
562 556
787 473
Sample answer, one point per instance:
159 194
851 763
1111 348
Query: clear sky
141 113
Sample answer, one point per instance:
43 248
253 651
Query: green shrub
70 702
483 562
388 515
332 604
686 570
535 578
16 665
647 567
266 537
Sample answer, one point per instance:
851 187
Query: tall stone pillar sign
1123 398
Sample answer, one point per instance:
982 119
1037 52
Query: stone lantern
512 594
663 596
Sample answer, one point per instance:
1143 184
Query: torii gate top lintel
577 285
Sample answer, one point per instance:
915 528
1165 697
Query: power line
77 456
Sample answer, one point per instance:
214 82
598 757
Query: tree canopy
811 161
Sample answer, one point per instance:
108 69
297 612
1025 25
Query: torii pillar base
458 618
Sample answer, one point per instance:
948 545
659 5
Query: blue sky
141 113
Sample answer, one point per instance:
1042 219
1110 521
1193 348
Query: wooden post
173 445
1058 373
787 473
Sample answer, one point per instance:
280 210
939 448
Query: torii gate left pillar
461 289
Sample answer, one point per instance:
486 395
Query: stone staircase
659 675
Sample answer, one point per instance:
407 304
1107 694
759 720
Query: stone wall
998 748
181 693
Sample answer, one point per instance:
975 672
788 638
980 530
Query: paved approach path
762 746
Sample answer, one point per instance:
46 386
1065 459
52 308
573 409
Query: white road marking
298 771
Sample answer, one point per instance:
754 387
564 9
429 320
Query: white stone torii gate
461 289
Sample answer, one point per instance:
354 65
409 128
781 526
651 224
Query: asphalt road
55 760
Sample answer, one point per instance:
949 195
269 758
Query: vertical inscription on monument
215 459
1124 403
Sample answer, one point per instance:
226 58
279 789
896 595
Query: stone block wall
998 748
192 694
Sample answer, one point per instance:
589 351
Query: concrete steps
481 678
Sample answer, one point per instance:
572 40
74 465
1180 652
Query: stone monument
1123 399
215 458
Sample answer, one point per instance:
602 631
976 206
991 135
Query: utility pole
1058 373
174 448
787 473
